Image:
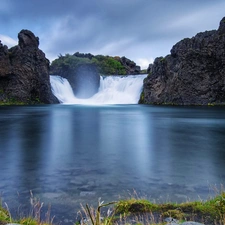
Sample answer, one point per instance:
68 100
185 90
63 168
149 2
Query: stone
130 66
149 69
193 74
27 39
170 220
5 67
24 72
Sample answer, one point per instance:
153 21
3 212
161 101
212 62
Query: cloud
144 62
6 40
142 29
198 20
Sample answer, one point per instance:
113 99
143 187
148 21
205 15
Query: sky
140 30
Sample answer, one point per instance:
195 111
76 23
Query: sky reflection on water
71 154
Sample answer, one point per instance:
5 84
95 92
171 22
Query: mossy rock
174 213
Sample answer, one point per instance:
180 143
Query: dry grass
130 211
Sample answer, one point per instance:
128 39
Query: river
72 154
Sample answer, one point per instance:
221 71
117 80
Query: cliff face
24 72
193 74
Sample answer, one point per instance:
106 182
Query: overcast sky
138 29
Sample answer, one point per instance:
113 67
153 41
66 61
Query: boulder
130 66
193 74
24 73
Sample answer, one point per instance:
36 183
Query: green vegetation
4 216
95 215
211 211
162 59
10 100
68 62
13 101
106 65
144 71
142 96
109 65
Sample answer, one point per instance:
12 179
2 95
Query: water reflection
72 154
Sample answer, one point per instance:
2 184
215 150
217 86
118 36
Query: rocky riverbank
193 74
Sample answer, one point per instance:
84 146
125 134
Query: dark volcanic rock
5 66
194 73
149 69
24 73
130 66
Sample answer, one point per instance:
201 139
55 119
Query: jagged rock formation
130 66
193 74
149 69
24 72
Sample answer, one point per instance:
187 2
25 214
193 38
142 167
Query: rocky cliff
193 74
24 72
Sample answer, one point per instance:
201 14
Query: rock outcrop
193 74
130 66
24 72
149 69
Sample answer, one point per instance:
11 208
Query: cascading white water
112 90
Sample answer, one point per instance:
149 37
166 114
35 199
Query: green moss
135 206
142 97
14 101
11 102
28 221
4 216
174 213
162 59
210 211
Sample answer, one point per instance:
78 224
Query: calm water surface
72 154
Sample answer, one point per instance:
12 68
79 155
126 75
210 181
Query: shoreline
128 211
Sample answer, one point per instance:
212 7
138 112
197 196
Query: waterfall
112 90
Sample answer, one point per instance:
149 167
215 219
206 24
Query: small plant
95 215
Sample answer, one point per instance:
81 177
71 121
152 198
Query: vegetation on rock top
106 65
